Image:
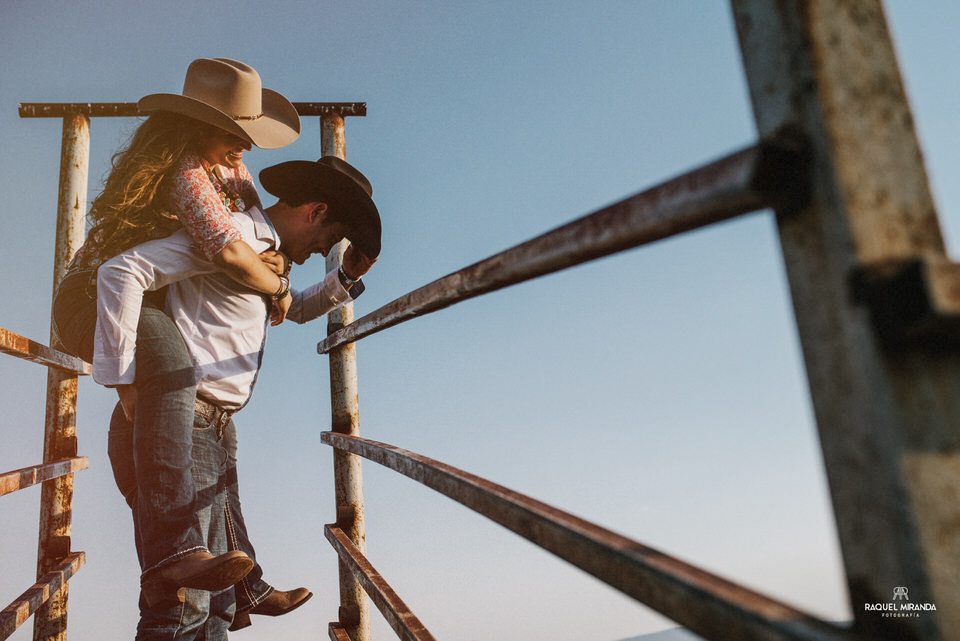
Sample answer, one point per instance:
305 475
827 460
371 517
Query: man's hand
356 263
128 400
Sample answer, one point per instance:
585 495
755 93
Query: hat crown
226 85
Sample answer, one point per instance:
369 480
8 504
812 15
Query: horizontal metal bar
17 613
129 109
706 604
28 476
90 109
24 348
337 632
343 109
394 610
752 179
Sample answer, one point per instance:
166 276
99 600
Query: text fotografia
901 606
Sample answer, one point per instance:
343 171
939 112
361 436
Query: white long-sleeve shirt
223 324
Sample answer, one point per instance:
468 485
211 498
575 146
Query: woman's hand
280 308
128 399
276 261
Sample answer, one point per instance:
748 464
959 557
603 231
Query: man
224 327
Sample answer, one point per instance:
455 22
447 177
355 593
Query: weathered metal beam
15 614
407 626
704 603
342 109
752 179
129 109
29 476
345 414
24 348
60 429
886 404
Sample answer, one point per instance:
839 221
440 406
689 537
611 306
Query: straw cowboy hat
227 94
338 184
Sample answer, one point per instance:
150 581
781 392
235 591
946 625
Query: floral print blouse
200 196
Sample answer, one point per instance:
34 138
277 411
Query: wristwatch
345 280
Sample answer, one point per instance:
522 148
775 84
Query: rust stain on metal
130 110
29 476
47 587
21 347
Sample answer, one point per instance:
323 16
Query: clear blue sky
658 392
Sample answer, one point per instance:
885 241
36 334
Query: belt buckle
221 422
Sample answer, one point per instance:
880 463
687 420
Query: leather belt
217 416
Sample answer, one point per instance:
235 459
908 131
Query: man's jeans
203 616
155 461
252 590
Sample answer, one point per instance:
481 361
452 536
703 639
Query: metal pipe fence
46 600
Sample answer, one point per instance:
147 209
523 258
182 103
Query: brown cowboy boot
277 603
164 587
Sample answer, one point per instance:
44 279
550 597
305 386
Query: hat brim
278 127
336 189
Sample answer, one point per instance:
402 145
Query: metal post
59 442
887 415
348 477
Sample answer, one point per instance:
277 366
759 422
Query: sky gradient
659 392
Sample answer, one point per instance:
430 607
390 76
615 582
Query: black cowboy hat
335 182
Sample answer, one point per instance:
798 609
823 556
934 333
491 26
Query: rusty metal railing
877 304
56 563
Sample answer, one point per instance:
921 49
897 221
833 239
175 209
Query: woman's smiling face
223 148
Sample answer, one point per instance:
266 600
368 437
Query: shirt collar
263 228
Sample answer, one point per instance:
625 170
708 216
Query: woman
182 167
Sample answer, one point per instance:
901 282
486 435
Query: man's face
316 236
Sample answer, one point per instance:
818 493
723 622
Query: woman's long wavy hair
131 208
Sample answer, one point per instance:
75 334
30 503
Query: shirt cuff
110 372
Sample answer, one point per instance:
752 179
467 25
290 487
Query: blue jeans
153 461
252 590
203 616
165 493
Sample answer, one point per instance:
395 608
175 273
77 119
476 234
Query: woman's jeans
75 313
154 468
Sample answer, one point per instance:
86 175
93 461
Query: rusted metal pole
348 475
60 442
887 416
